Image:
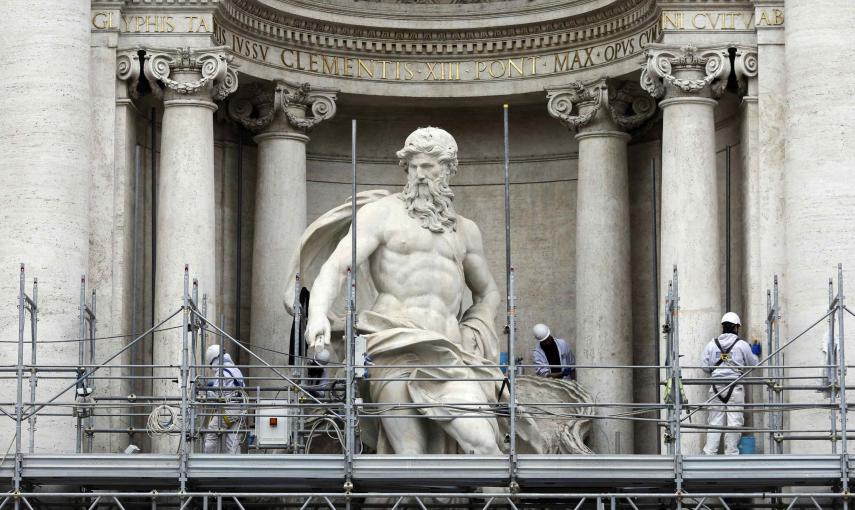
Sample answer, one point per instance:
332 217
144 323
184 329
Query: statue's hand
318 332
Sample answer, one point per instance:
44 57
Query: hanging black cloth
550 348
297 342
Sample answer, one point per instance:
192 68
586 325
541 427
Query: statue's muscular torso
418 273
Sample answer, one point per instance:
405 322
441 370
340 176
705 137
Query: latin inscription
721 20
151 23
429 71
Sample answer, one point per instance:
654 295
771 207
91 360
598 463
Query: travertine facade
138 136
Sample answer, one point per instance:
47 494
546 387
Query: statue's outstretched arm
330 279
477 272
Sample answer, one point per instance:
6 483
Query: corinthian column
281 114
687 79
191 81
599 115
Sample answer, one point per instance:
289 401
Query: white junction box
272 427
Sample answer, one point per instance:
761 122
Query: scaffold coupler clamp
348 489
679 494
514 489
845 495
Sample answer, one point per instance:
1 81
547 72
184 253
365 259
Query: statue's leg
475 435
406 435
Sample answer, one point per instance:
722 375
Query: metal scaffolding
344 475
324 461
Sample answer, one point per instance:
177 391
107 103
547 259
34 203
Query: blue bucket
747 445
503 361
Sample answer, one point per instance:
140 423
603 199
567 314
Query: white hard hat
731 318
212 353
540 331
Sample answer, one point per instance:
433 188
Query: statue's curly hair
434 142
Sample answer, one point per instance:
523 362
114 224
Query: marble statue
416 256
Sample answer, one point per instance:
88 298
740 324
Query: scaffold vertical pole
770 388
185 324
81 385
512 390
350 425
90 382
844 453
193 372
19 401
677 386
831 360
34 381
296 361
507 184
778 361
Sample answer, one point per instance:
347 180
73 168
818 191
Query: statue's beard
431 203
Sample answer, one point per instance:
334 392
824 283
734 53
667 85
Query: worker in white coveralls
724 358
224 386
552 356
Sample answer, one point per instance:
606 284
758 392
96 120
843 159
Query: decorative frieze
260 106
576 106
208 70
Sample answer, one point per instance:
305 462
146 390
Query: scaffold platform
612 473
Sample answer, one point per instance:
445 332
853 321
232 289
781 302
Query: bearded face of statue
427 194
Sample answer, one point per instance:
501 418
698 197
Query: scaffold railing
325 415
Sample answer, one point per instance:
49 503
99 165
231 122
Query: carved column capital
672 71
128 70
207 73
282 106
600 105
745 67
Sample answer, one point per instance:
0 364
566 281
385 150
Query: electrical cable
71 340
164 419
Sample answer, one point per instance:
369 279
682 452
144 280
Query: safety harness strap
725 356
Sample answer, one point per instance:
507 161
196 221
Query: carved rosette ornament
128 70
186 72
260 106
687 70
577 105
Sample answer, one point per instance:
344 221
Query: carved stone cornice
282 105
128 70
373 37
207 72
672 71
601 105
